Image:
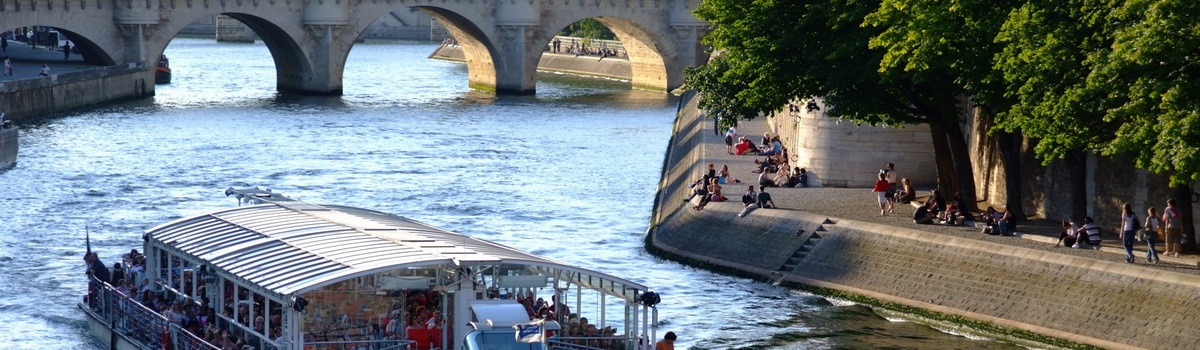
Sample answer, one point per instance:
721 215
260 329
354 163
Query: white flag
530 332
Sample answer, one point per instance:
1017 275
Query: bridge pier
328 57
516 69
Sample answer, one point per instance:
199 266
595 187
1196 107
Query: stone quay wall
59 92
1101 303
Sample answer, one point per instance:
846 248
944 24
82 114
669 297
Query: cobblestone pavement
860 204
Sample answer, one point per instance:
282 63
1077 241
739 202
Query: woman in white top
1129 223
1151 228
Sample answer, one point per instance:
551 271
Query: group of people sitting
773 170
936 210
1076 235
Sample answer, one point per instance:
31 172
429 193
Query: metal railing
591 343
136 322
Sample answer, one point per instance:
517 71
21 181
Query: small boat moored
162 72
285 274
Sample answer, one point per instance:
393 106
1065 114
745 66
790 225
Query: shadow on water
850 327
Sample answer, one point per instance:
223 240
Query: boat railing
592 343
380 344
125 315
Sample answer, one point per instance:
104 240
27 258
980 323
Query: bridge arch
478 49
98 47
280 35
648 54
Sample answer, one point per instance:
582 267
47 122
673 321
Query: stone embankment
835 238
71 84
609 67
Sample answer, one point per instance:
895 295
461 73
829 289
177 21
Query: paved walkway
27 61
860 204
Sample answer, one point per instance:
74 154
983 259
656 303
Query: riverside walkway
860 204
27 61
834 238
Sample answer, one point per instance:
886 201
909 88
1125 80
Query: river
569 174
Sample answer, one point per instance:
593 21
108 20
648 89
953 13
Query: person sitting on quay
781 177
922 215
766 165
907 193
714 191
764 199
45 70
1088 234
725 177
799 178
745 146
1069 234
765 179
750 198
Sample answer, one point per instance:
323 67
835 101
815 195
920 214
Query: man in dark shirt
96 267
764 198
922 215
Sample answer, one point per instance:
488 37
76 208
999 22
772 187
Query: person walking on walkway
880 189
1150 230
45 70
1172 229
1129 225
66 51
7 66
4 43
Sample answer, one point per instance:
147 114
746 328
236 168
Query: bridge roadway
310 39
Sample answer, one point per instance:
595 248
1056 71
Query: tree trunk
1077 169
1183 205
1010 150
947 182
961 155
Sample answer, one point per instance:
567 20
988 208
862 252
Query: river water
569 174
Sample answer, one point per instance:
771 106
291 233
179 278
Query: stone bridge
310 39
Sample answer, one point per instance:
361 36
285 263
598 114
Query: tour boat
8 142
162 73
288 274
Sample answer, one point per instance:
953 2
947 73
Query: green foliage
1113 77
588 29
1149 75
1045 63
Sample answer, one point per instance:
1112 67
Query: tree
952 43
588 29
773 51
1048 47
1149 78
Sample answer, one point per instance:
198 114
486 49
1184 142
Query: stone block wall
59 92
841 154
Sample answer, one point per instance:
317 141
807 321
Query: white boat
287 274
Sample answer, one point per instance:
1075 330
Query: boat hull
107 335
8 146
162 76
